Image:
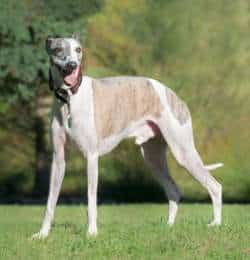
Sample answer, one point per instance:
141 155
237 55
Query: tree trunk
42 162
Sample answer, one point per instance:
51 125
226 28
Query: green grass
127 232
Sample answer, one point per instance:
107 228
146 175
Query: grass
127 232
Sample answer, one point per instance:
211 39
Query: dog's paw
39 235
170 223
92 232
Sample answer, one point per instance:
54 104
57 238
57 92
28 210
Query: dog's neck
57 84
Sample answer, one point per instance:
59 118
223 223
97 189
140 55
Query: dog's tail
214 166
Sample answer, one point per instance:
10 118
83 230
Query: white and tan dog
97 114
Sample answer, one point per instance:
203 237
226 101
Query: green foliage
24 63
198 48
24 26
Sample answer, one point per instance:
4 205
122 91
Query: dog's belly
141 131
120 102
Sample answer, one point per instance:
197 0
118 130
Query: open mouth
72 78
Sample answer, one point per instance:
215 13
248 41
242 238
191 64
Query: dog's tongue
72 78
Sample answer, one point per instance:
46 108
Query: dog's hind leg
180 140
154 154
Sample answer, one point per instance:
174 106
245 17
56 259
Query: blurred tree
199 48
24 26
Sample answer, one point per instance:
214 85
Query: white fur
75 56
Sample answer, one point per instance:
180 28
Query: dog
97 114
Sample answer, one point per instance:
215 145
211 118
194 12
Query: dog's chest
78 118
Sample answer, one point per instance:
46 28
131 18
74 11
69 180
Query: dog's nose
71 65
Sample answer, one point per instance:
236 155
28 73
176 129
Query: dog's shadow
70 227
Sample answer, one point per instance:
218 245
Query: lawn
133 231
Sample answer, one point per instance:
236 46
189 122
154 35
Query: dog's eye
78 49
57 50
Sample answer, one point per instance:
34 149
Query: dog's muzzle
70 66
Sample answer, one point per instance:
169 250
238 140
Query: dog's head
66 55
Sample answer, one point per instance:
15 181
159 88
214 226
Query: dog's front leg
92 171
56 177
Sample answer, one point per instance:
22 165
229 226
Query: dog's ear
76 36
48 43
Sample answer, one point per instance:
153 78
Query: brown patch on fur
121 100
178 107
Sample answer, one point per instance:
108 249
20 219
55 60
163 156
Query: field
134 231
